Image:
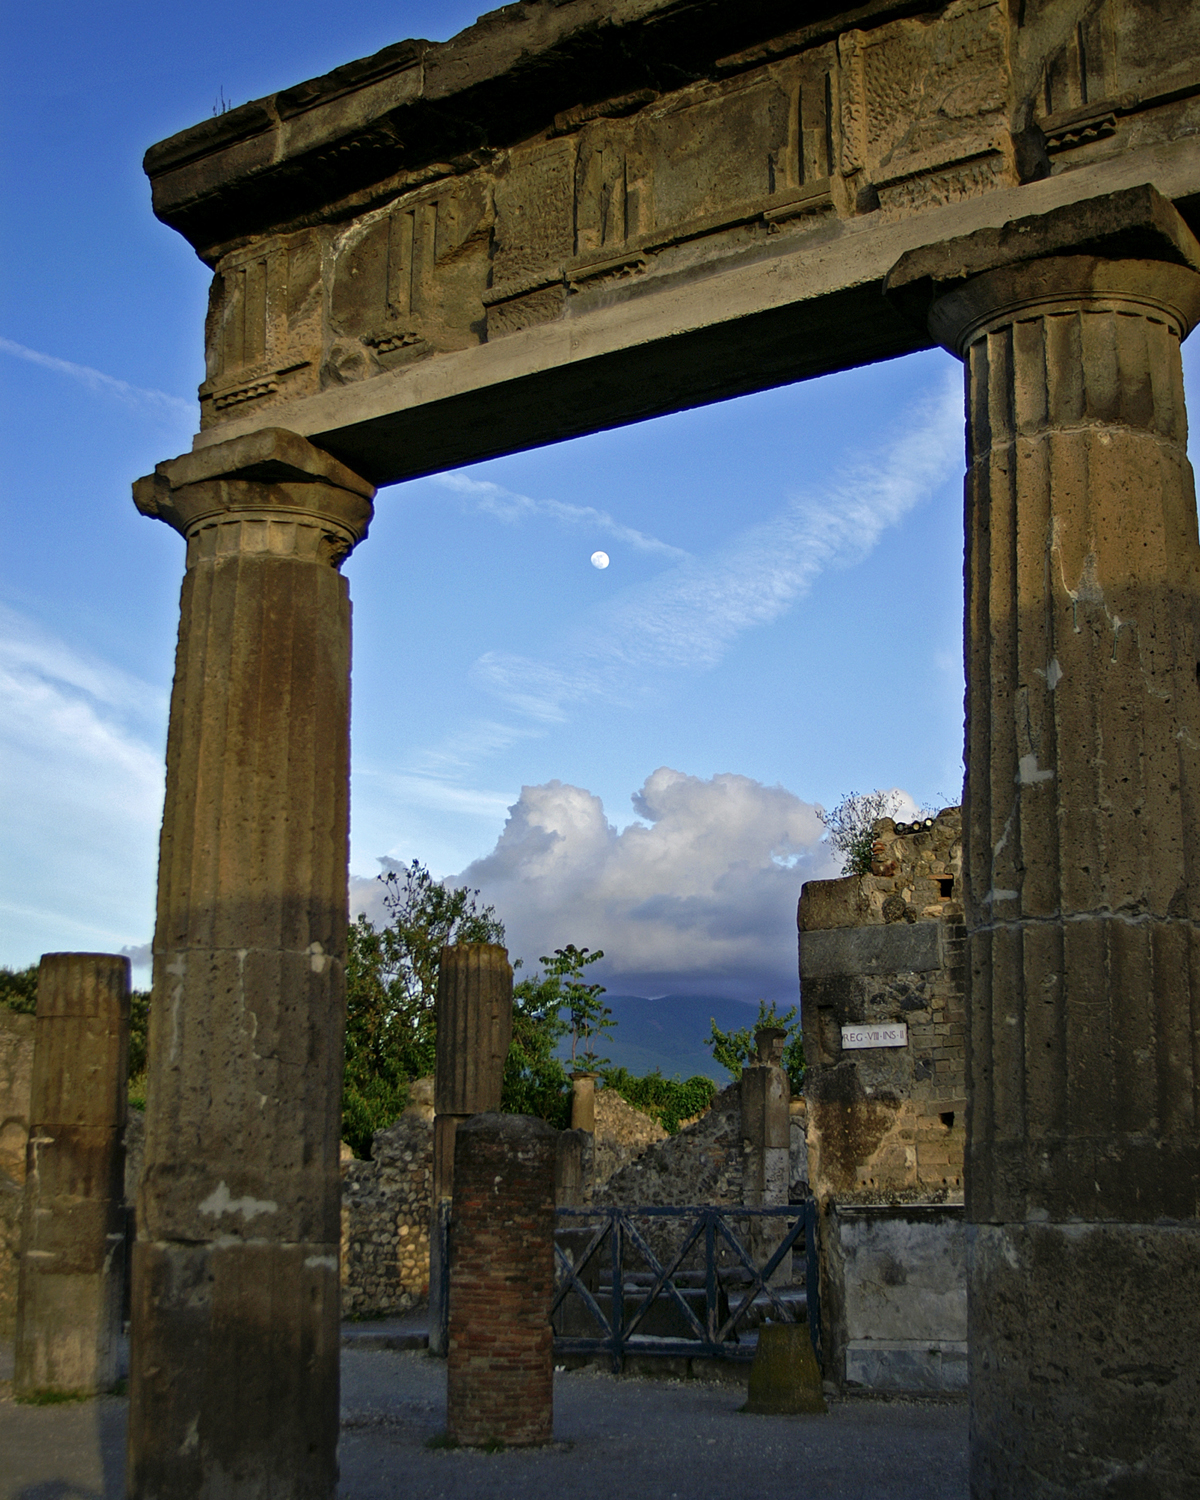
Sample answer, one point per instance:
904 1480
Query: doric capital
269 491
1128 251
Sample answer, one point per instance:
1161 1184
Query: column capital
272 490
1125 251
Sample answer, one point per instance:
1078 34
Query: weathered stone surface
521 213
914 948
1084 1377
234 1343
73 1225
385 1220
500 1361
16 1083
583 1101
1083 606
785 1378
622 1135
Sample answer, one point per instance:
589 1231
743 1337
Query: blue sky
780 622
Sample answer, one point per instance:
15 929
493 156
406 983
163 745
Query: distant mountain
668 1033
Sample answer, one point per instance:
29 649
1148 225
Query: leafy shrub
667 1100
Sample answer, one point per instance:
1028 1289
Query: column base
1084 1377
234 1378
68 1331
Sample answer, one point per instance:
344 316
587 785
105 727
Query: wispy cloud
506 505
96 380
688 617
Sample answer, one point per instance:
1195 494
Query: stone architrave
1083 822
474 1029
72 1266
500 1360
234 1336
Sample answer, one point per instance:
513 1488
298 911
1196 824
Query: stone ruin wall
16 1079
385 1220
888 1124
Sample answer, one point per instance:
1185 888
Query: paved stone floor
633 1438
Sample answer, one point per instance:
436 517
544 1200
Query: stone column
474 1029
766 1098
234 1378
500 1367
72 1265
1083 842
583 1102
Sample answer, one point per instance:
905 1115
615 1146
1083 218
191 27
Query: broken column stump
766 1098
583 1102
500 1370
474 1029
72 1263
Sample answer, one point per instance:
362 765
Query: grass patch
49 1395
442 1440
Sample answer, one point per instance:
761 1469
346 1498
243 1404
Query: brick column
72 1262
234 1379
474 1029
1081 860
500 1367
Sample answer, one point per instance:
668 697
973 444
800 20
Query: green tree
588 1018
850 826
18 989
391 993
667 1100
535 1081
735 1050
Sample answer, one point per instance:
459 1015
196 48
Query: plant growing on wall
850 826
735 1050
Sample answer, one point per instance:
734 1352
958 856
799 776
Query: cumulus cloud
698 896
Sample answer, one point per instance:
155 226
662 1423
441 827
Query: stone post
1083 842
234 1347
474 1029
766 1098
500 1367
72 1266
583 1102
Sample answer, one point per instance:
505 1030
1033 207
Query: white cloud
507 505
81 782
159 402
689 616
700 896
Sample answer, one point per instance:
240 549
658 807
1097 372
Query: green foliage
391 991
667 1100
139 1027
734 1050
18 989
850 826
535 1081
588 1017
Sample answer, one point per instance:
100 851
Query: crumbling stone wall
702 1164
623 1134
887 1124
385 1220
16 1081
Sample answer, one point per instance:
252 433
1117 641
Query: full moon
599 559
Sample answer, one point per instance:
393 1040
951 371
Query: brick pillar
72 1265
234 1358
500 1369
1083 841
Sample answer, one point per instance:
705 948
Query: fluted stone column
474 1029
234 1379
1082 850
72 1264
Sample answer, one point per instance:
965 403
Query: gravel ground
649 1439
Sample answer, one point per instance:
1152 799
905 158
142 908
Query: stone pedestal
234 1378
1083 794
500 1368
72 1264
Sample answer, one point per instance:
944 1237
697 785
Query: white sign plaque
885 1034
